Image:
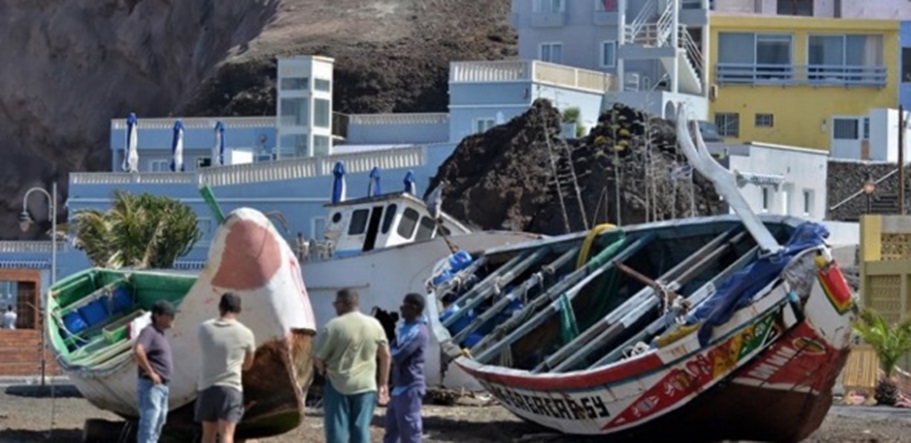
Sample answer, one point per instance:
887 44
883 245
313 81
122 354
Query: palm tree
890 344
144 231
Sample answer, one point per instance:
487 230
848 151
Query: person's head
163 314
412 306
346 300
229 305
9 308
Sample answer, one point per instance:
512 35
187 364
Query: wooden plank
861 370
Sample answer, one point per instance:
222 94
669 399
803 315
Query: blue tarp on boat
740 288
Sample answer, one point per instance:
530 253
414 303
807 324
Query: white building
868 137
776 179
304 120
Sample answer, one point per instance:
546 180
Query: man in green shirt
353 348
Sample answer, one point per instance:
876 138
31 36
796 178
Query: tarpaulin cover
738 290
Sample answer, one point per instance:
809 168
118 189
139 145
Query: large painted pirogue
94 316
684 330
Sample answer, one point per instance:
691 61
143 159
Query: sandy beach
29 415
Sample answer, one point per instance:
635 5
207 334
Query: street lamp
25 221
869 188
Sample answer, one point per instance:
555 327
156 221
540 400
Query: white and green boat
94 316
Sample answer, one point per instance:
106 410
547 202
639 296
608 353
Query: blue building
904 86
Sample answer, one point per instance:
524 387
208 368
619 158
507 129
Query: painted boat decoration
94 316
727 327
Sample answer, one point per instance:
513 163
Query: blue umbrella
338 186
218 151
409 183
177 148
130 153
373 187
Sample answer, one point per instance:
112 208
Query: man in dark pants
153 356
403 416
228 348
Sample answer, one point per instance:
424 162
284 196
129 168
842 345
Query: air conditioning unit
713 92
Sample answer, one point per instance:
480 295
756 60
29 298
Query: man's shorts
219 403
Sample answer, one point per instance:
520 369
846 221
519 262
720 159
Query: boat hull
384 276
247 257
766 373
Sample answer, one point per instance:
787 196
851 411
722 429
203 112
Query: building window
866 128
766 198
795 7
608 54
906 65
483 124
807 201
321 111
295 84
294 112
750 57
728 124
296 143
552 52
321 145
160 165
548 6
606 5
829 56
764 121
322 85
844 128
203 162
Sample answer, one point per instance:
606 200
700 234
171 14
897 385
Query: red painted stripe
569 381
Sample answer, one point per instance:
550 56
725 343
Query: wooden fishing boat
703 328
94 316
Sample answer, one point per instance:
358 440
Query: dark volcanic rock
514 175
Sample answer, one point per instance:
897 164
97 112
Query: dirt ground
27 417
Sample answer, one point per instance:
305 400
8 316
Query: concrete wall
398 129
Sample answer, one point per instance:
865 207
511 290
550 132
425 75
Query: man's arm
251 353
139 353
383 361
401 354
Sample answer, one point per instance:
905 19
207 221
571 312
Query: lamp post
869 188
25 220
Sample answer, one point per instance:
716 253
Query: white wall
883 137
802 169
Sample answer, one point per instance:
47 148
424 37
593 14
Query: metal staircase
653 28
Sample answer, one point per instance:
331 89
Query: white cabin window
425 229
408 223
159 165
324 85
551 52
608 54
358 222
388 217
295 83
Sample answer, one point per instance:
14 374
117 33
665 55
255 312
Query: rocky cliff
68 67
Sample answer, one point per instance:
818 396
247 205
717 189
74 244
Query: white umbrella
131 157
177 148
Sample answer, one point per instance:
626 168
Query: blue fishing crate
95 312
74 322
122 300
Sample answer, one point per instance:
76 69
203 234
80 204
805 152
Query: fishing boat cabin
381 221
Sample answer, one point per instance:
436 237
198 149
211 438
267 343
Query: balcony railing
399 119
198 122
531 70
38 246
399 158
812 75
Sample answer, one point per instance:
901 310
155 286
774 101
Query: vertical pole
901 160
621 40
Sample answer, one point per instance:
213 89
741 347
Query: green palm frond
889 343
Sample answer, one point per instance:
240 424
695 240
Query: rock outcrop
68 67
523 175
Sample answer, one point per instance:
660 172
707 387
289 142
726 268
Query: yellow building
787 80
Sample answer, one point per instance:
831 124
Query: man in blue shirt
403 416
152 352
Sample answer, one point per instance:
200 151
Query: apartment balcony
548 19
800 75
534 71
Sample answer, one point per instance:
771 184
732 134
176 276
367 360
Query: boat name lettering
567 408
